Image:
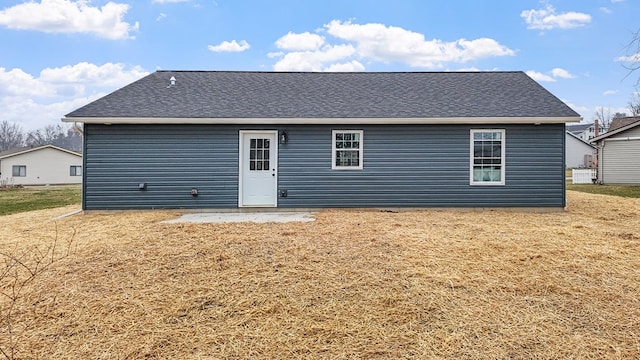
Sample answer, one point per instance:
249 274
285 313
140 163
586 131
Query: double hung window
487 157
346 150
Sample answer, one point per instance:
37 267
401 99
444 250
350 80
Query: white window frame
502 157
19 172
359 150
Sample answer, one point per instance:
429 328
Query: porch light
284 137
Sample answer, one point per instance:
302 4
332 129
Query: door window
259 155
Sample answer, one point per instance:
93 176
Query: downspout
78 128
84 168
564 166
600 158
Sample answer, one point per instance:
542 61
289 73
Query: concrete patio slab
257 217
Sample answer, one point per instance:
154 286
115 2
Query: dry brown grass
353 284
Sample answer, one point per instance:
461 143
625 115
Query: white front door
258 168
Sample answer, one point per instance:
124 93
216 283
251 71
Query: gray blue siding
404 166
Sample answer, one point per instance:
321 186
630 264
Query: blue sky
58 55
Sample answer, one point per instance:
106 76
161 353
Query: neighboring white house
619 155
578 153
43 165
585 132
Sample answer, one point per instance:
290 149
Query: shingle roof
578 128
616 131
267 95
617 123
22 150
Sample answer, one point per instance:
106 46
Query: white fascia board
614 132
28 150
319 121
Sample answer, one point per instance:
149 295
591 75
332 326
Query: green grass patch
16 200
615 190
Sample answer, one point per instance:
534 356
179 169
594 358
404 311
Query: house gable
43 165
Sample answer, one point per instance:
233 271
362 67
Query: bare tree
604 117
633 51
44 136
11 136
634 104
58 135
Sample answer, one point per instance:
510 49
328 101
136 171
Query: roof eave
614 132
319 121
49 146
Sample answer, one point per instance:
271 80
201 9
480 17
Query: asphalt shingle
222 94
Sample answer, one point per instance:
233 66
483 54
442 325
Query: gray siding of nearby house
404 166
620 158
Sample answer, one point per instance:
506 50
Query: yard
352 284
18 199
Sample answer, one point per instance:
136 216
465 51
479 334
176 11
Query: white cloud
318 60
610 92
606 10
580 109
352 66
395 44
471 69
276 54
161 17
561 73
168 1
538 76
551 76
547 19
66 16
376 43
106 75
16 82
629 58
36 101
300 42
230 46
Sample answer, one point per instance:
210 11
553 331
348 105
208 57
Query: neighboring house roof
307 97
616 131
617 123
579 139
578 128
23 150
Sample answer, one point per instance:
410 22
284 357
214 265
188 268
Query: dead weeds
352 284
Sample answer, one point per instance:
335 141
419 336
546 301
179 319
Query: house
211 139
585 132
578 153
43 165
619 155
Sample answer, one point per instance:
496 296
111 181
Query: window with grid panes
487 157
259 154
347 150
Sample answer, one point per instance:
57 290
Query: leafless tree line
13 136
